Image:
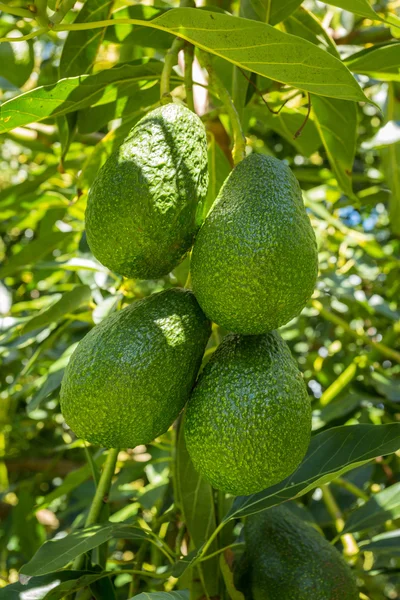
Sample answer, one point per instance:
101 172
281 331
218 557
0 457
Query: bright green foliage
248 420
254 263
287 559
131 375
145 205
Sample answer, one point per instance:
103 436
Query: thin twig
299 131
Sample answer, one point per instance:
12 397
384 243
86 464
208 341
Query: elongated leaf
268 11
381 61
331 453
175 595
336 121
81 47
197 504
385 543
263 49
44 587
34 251
281 9
55 554
391 159
381 507
358 7
69 302
74 93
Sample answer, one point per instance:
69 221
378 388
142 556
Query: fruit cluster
253 267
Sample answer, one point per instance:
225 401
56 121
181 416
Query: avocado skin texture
145 204
248 420
287 559
131 375
254 262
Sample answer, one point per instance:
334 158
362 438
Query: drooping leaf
381 507
331 453
56 554
336 121
69 302
359 7
381 61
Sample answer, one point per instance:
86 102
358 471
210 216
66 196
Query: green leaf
391 159
69 302
263 49
74 93
55 554
385 543
381 61
81 47
330 454
304 24
45 587
268 11
34 251
381 507
197 503
336 121
359 7
286 123
175 595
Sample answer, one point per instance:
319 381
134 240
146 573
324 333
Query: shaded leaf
197 503
381 507
304 24
45 587
34 251
69 302
55 554
385 543
330 454
336 121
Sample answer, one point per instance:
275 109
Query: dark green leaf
381 507
268 11
336 121
45 587
69 302
331 453
385 543
304 24
55 554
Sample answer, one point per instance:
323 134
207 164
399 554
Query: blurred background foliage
346 341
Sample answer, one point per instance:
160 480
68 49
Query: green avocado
254 263
248 420
287 559
131 375
145 205
16 59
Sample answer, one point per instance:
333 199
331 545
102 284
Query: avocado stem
188 53
99 498
171 58
239 141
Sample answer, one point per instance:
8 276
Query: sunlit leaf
381 507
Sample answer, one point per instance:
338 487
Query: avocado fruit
287 559
248 419
131 375
254 263
145 205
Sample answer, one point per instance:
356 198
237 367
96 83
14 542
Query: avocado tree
129 294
